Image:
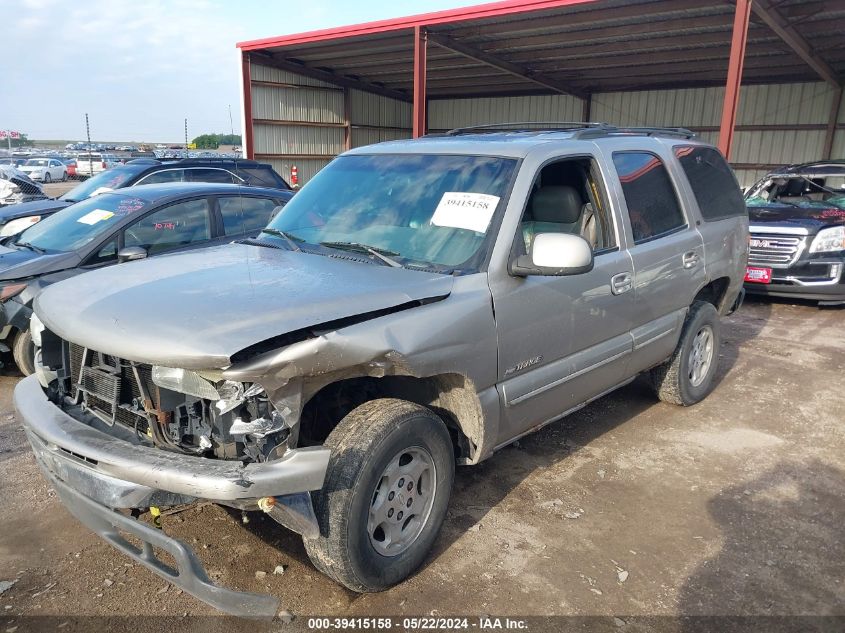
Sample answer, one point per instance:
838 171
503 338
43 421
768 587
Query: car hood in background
813 219
195 310
20 263
36 207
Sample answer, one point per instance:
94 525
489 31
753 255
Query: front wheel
385 496
47 177
690 374
23 351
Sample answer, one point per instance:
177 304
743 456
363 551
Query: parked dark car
797 226
115 227
144 171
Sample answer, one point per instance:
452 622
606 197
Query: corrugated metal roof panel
297 104
268 73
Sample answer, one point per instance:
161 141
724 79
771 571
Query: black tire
64 176
672 381
365 442
47 177
23 351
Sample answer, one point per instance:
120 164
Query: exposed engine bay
174 409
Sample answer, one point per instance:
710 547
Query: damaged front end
17 187
114 435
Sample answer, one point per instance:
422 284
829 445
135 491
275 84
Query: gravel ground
628 508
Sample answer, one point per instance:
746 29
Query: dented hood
195 310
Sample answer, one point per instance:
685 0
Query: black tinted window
202 174
179 224
166 175
242 214
652 204
262 177
712 182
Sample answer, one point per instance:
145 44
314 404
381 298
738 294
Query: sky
139 68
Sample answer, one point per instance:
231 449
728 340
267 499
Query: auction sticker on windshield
464 210
97 215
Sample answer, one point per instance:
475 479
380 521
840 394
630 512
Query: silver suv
419 304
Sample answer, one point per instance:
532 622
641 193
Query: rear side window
262 177
202 174
652 203
712 181
166 175
242 214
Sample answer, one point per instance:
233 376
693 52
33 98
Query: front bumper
818 280
96 473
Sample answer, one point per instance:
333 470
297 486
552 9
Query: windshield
426 209
36 162
805 191
74 226
112 179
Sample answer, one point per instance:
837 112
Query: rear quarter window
713 182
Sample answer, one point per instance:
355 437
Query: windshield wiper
31 247
290 238
382 254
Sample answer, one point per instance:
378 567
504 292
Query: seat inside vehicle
564 200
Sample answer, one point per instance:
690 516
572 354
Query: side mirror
555 255
131 253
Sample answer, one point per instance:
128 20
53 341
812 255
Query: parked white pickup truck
92 163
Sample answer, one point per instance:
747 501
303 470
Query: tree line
213 141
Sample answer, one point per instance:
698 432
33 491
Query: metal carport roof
576 47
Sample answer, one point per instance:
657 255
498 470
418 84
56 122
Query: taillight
104 164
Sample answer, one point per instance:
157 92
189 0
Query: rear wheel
64 176
23 351
690 374
385 496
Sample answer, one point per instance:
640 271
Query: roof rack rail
635 131
526 126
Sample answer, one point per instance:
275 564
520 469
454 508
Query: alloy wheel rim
701 356
402 501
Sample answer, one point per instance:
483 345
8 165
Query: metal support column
420 97
737 57
831 124
247 88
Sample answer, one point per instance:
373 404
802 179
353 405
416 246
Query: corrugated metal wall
303 122
776 124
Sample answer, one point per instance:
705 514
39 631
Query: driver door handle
621 283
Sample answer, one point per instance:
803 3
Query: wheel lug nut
408 505
410 486
399 516
390 496
390 512
402 482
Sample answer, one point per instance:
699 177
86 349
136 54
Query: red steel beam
420 97
731 102
247 88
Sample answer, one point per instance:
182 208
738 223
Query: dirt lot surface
56 189
630 507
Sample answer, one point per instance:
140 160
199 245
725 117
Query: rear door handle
690 259
621 282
